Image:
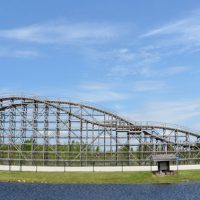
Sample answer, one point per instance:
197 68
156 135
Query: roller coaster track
137 124
87 124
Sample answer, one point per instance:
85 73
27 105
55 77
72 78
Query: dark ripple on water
19 191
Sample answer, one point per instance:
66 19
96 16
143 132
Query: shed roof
163 157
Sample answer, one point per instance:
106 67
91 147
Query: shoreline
98 177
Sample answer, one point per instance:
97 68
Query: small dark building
163 161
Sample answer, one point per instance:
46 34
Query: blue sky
138 58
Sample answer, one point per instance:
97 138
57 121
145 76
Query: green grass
98 177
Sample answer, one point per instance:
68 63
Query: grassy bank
98 177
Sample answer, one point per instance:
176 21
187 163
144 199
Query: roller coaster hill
46 132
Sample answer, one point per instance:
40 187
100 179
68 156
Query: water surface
22 191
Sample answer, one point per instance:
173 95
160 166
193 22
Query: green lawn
98 177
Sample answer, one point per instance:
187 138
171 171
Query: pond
22 191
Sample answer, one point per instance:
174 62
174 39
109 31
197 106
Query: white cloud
168 111
175 70
124 54
144 86
24 53
58 32
101 96
121 71
139 64
184 33
95 86
115 91
113 56
177 27
99 92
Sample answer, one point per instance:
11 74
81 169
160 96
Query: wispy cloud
116 91
156 45
123 54
99 92
176 27
17 53
127 62
62 32
175 70
184 32
144 63
145 86
25 53
168 111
